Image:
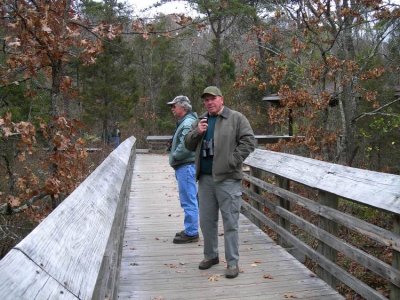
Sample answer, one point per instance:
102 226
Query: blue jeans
185 175
115 141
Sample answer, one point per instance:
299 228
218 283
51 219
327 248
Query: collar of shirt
219 113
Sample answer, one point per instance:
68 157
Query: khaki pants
225 196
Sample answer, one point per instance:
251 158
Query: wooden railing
75 252
317 226
160 142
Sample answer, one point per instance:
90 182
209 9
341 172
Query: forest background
70 70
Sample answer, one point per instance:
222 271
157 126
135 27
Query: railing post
330 200
394 289
255 173
285 184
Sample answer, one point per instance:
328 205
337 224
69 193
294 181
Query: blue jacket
179 154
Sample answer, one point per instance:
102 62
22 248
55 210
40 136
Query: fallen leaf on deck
289 295
267 276
213 278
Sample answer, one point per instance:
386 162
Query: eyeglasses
173 106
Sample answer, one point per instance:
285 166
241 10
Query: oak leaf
14 201
213 278
289 296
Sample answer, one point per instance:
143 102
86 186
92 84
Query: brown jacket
233 142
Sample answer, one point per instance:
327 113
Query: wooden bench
159 143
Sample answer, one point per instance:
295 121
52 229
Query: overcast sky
169 8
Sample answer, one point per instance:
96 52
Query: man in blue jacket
182 160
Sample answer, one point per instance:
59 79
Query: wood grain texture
21 278
375 189
152 267
71 243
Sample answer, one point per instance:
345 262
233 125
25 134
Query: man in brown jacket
222 139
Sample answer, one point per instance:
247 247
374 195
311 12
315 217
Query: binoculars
208 148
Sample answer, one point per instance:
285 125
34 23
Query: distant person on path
115 136
222 139
182 160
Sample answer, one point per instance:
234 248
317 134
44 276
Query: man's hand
202 125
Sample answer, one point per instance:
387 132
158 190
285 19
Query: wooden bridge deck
153 267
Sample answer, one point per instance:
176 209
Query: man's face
213 104
177 111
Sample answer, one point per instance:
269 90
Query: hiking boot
208 263
180 233
232 271
185 239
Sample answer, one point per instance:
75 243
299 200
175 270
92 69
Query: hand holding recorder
202 125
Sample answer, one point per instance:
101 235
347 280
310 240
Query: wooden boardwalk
154 268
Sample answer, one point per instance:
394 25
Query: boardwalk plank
152 267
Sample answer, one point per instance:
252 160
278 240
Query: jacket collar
225 113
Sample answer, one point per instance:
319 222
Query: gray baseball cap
179 99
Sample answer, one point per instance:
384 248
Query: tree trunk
217 78
262 57
348 143
56 96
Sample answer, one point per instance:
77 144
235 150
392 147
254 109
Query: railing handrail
74 253
376 189
319 217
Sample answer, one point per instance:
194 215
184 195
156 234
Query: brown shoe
185 239
232 271
208 263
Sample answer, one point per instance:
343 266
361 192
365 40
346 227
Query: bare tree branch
6 209
374 112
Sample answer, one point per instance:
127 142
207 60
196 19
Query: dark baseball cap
211 90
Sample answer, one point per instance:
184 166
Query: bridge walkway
152 267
